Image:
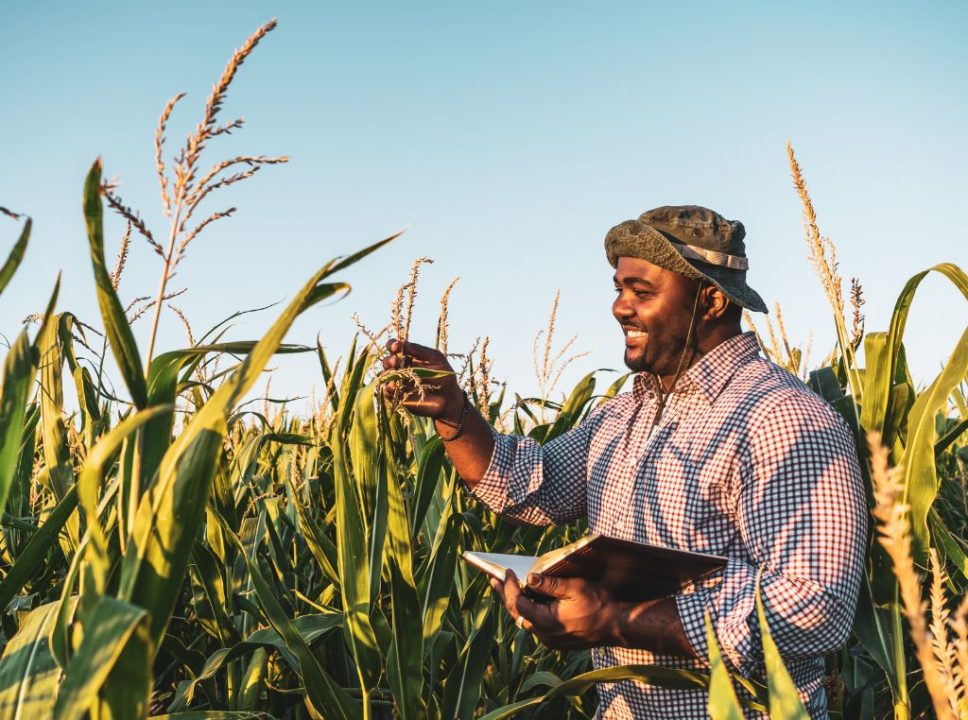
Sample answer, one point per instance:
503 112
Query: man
714 450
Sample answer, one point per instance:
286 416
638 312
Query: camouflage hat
692 241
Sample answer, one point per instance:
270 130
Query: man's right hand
440 397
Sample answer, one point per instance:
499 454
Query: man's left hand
580 614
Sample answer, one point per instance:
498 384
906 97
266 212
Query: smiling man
715 450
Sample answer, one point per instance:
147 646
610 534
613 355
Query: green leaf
723 703
215 715
462 688
953 551
651 674
28 674
442 563
429 465
16 256
324 698
108 628
57 456
353 563
90 480
210 598
920 471
170 513
784 700
32 557
120 337
19 368
876 416
405 663
310 627
570 413
869 629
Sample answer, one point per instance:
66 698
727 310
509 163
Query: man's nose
621 308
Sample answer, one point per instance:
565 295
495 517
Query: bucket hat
690 240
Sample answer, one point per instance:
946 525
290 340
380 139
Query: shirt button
633 462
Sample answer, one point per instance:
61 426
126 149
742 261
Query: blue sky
511 136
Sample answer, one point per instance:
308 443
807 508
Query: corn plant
169 550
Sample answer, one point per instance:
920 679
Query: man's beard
637 363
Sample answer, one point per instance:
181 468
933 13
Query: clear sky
511 136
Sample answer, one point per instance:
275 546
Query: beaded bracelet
460 423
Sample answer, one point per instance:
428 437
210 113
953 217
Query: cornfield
168 551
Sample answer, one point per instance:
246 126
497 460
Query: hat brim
634 238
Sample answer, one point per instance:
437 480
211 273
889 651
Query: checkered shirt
745 462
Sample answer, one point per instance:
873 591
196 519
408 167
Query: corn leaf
120 337
354 571
109 626
215 715
440 583
90 480
18 372
876 409
784 700
405 662
28 674
310 627
170 513
16 256
324 698
920 471
40 543
652 674
723 703
429 465
462 689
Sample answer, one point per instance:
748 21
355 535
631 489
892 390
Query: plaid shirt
745 462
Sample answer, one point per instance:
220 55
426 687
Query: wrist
453 409
618 624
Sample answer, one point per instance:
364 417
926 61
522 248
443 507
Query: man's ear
715 302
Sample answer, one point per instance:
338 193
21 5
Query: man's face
654 307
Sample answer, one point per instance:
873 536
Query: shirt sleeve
802 519
538 484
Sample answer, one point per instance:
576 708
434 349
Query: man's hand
580 614
440 397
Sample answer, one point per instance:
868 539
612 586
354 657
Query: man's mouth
633 335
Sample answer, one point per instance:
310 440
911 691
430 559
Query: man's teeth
635 333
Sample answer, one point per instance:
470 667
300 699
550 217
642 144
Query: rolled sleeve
538 484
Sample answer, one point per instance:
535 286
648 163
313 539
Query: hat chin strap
713 257
663 396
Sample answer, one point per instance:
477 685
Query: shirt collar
711 374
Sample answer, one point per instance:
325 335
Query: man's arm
515 476
802 520
443 400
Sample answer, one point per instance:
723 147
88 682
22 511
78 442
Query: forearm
654 625
470 453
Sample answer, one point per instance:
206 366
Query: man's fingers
511 594
552 586
541 617
420 354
